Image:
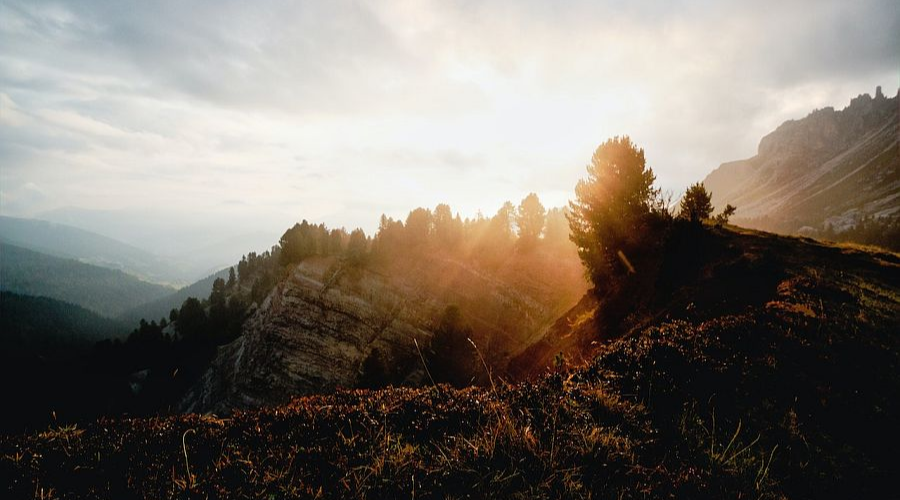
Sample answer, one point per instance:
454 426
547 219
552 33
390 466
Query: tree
419 227
192 320
613 209
357 248
298 243
453 357
502 222
232 279
447 229
530 217
726 214
556 229
696 205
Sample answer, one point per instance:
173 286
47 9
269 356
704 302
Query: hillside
44 345
159 308
751 373
61 240
319 330
26 320
106 291
821 175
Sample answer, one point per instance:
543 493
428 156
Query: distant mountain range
61 240
160 308
105 291
36 321
193 245
823 174
73 241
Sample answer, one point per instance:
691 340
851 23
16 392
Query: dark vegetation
161 307
724 363
148 371
105 291
783 387
884 233
67 242
43 361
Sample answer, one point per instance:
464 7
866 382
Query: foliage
696 204
452 358
723 218
614 207
883 232
105 291
530 218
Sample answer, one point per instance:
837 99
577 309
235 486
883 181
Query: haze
212 120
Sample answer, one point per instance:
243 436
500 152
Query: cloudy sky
261 113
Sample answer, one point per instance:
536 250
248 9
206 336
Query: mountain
192 244
160 308
26 320
317 330
825 173
756 366
70 242
44 344
105 291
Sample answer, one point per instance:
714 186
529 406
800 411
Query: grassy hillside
105 291
766 369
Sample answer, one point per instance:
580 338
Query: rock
822 167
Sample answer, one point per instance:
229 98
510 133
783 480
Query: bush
696 205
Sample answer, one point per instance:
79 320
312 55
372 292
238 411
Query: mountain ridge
108 292
760 399
827 172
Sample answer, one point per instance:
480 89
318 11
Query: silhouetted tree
530 218
453 356
357 248
556 229
696 205
297 243
419 226
232 279
192 320
447 229
613 208
726 214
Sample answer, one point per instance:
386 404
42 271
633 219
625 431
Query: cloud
343 110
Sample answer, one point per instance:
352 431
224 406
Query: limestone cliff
834 167
315 332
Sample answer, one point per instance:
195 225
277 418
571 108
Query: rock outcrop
314 333
832 167
307 338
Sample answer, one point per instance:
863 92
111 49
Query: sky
220 118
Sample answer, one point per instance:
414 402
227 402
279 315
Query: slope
160 308
834 168
43 347
70 242
105 291
788 391
320 329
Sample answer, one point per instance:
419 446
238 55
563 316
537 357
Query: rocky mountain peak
833 167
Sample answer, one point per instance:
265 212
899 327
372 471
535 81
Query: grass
786 391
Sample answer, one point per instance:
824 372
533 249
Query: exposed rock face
308 337
305 338
831 167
